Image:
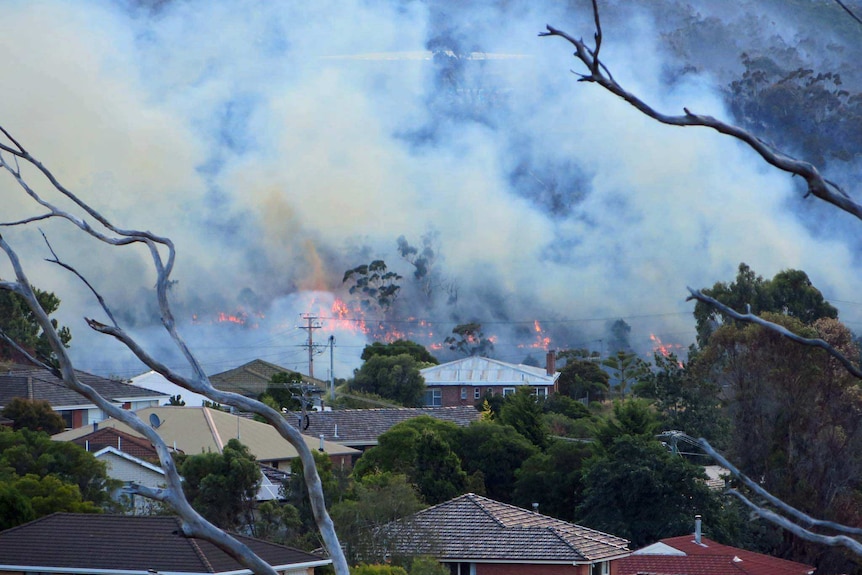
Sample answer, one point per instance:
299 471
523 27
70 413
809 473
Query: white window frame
436 397
477 393
601 568
463 393
540 392
508 391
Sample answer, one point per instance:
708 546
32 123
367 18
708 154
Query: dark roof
706 558
475 528
252 378
359 427
32 382
119 440
126 542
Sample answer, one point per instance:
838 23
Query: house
131 545
204 429
474 535
156 381
33 382
701 556
465 381
360 428
251 379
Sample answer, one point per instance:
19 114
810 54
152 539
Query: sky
279 144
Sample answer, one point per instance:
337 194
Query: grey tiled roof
37 383
126 542
361 427
475 528
252 378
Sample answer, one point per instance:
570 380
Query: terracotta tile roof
706 558
127 542
362 427
475 528
119 440
37 383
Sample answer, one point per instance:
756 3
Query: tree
553 479
378 499
583 378
618 337
176 400
628 369
394 377
469 340
523 412
376 286
497 451
34 414
222 486
284 389
399 347
20 165
19 324
438 472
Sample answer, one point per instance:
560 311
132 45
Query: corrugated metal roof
486 371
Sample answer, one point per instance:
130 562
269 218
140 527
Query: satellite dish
155 422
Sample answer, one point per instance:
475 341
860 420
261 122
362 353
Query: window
540 392
463 393
433 398
508 391
603 568
477 393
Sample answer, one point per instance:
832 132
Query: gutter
86 571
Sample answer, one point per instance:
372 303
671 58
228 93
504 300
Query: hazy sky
281 143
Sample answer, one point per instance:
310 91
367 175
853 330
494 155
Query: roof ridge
193 543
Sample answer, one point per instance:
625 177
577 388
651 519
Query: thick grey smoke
280 144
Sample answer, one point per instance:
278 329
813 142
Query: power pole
312 325
331 368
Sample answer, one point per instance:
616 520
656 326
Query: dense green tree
468 339
553 479
19 324
439 475
222 486
636 489
24 452
394 377
685 401
497 451
378 499
285 389
581 378
33 414
618 337
790 292
403 447
15 507
50 494
296 494
523 411
399 347
277 522
630 417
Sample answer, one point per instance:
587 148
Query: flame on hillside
666 349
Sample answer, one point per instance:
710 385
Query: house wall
451 394
129 471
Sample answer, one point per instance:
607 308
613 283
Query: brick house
474 535
465 381
132 545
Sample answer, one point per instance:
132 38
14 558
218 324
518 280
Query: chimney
95 426
536 506
551 362
697 522
321 443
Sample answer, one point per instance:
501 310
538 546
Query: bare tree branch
817 184
780 329
193 524
849 11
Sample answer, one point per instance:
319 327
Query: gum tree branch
749 317
598 74
194 524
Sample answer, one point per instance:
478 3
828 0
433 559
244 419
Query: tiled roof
706 558
202 429
119 440
252 378
127 542
361 427
476 370
37 383
475 528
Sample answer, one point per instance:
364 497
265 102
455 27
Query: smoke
280 144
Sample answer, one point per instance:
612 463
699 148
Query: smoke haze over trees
442 128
